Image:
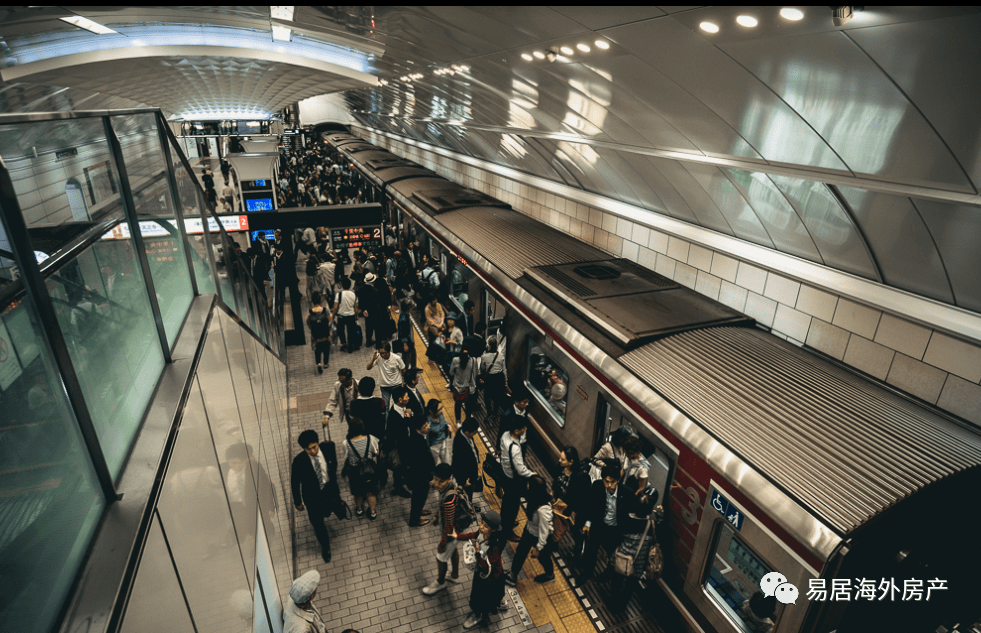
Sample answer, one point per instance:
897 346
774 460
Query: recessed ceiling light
526 57
539 55
282 33
747 20
281 13
583 48
709 27
88 25
791 14
566 50
602 44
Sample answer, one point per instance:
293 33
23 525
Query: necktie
321 480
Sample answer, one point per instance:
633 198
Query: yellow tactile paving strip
554 603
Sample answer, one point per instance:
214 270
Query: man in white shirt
516 473
390 369
346 310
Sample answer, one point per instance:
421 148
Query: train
769 457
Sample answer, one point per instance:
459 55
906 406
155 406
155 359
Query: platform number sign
731 513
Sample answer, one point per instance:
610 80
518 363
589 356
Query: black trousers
528 541
346 330
318 514
420 492
322 350
600 535
514 489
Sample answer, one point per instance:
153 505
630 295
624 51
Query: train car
769 458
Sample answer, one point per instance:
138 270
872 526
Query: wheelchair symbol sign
732 514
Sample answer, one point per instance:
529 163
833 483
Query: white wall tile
781 289
962 398
700 257
615 244
760 308
955 356
665 266
563 222
733 296
902 336
631 251
870 357
641 235
856 318
751 278
647 258
582 212
708 285
600 238
588 231
922 380
596 217
725 267
685 274
625 228
658 242
678 249
609 223
817 303
827 338
791 322
550 201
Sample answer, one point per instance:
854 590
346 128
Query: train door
660 458
495 311
732 552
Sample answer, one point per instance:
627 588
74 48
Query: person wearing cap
367 302
446 552
487 591
391 370
299 614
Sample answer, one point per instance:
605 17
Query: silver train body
768 457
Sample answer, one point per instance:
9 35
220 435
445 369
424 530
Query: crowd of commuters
318 177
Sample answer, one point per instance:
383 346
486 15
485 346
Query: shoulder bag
624 564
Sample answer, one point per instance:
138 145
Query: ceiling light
539 55
526 57
602 44
566 50
583 48
88 25
709 27
282 33
791 14
840 16
281 13
747 20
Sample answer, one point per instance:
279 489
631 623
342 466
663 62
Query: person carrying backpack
455 514
359 454
318 319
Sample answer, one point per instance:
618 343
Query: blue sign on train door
731 513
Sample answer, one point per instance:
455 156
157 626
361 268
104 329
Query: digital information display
356 237
269 233
259 204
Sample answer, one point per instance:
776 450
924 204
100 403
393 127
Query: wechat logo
775 584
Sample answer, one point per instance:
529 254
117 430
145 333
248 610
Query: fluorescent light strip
88 25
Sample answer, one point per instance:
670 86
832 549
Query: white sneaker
472 621
433 588
504 606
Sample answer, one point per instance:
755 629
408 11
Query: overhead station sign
150 228
356 237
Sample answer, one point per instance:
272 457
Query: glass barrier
191 205
146 168
104 313
50 499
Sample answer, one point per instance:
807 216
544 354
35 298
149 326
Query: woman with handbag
482 553
463 383
630 558
354 452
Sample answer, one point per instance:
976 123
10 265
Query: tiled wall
926 363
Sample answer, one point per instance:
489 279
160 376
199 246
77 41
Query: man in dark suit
608 505
467 325
398 428
313 479
419 463
466 467
417 402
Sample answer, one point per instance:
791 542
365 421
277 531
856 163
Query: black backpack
364 468
465 514
320 324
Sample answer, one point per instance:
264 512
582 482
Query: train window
460 284
547 381
652 460
733 579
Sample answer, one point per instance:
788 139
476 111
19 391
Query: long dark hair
537 496
572 454
464 359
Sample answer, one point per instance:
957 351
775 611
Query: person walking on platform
369 408
342 395
440 434
319 321
346 311
420 465
487 592
390 370
299 614
445 514
516 474
607 509
638 539
398 432
494 379
463 384
313 479
466 459
357 448
537 537
406 334
417 402
570 490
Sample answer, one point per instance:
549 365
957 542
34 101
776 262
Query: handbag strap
643 537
